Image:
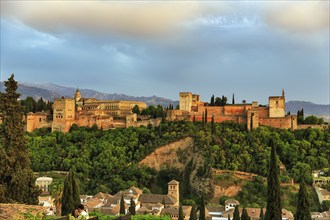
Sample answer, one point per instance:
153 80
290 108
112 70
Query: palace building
251 114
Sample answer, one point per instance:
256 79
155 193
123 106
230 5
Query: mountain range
49 91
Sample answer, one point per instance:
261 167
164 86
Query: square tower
186 100
63 114
277 106
173 191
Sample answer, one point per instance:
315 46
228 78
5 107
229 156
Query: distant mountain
309 108
49 91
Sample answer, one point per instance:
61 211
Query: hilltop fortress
253 115
106 114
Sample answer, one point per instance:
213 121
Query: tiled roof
233 201
92 203
174 182
156 198
217 208
175 210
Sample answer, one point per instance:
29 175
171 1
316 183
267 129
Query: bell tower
173 191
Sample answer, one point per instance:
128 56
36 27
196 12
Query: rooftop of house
217 208
156 198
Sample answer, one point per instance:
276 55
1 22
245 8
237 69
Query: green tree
212 101
233 100
202 209
17 182
136 109
122 206
303 203
244 215
71 192
213 125
236 213
206 115
261 216
193 215
273 210
181 214
132 207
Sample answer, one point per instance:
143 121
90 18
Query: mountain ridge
49 91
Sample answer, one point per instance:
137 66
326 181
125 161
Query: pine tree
132 207
122 206
244 215
273 210
17 182
233 101
303 203
71 192
236 213
193 215
181 214
261 216
202 209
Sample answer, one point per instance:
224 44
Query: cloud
104 17
299 16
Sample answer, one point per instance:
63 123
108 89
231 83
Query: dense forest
107 160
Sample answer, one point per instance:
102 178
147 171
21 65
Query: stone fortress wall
251 114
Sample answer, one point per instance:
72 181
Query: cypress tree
244 215
163 202
236 213
303 203
181 214
233 101
132 207
212 101
203 119
202 209
193 215
213 125
17 182
273 210
261 216
205 115
70 198
122 206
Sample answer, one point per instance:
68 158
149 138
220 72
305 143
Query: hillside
50 91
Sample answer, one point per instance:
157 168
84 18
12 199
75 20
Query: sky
252 49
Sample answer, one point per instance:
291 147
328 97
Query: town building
153 204
191 108
43 183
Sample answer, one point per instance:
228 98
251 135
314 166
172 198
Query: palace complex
106 114
251 114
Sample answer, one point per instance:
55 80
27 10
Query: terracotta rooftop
156 198
217 208
15 211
